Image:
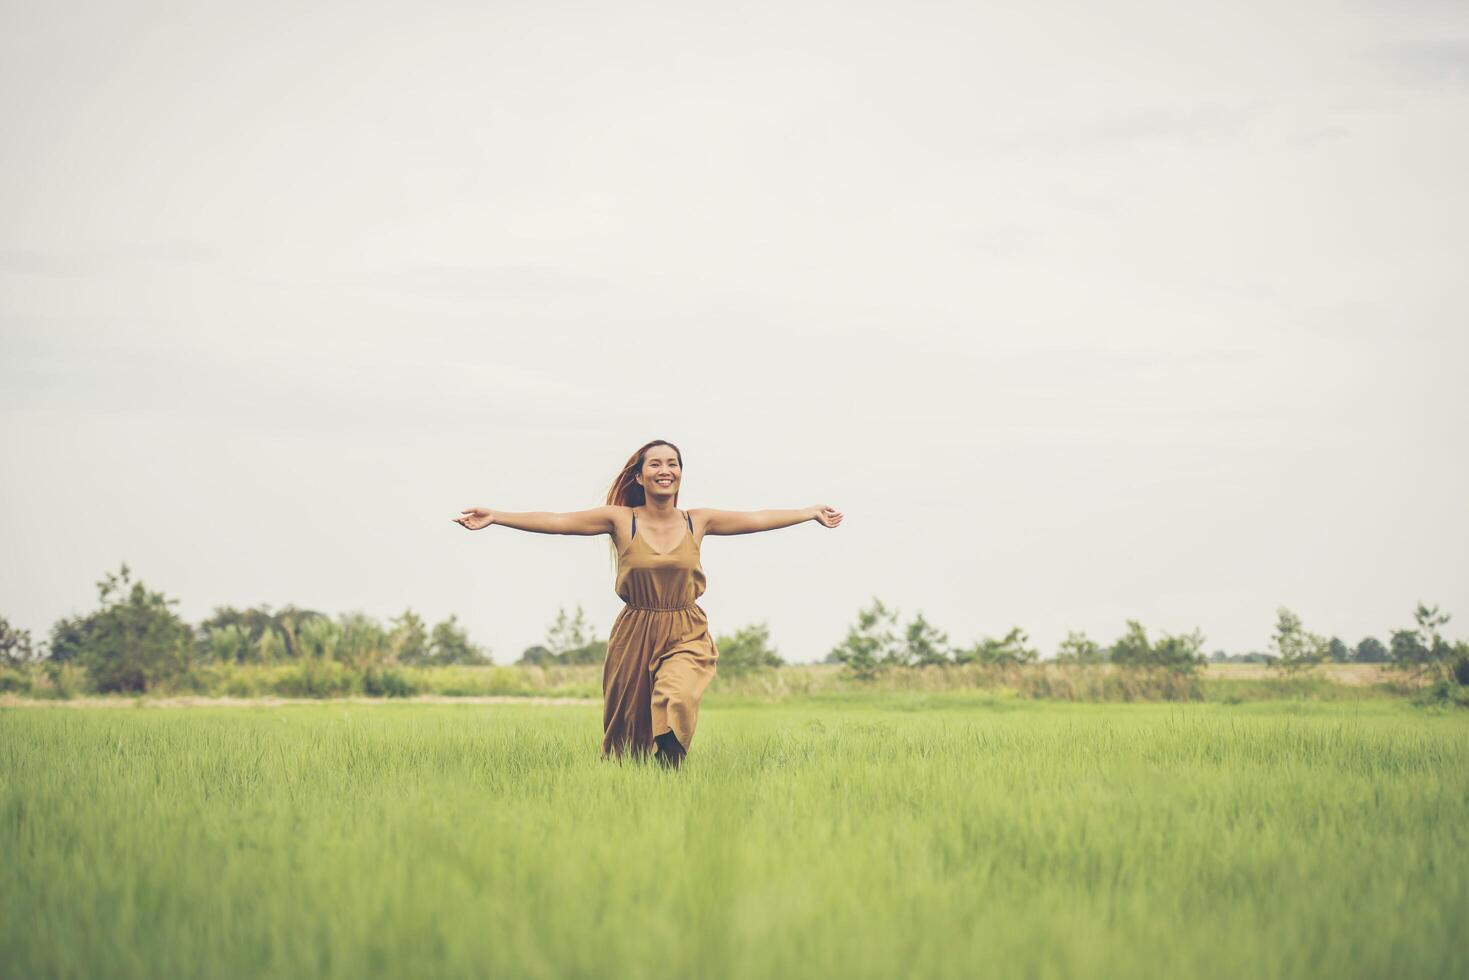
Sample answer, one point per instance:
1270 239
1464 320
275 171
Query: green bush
1461 669
133 643
1445 694
1010 650
61 680
13 680
315 678
228 679
241 683
748 649
389 682
1178 652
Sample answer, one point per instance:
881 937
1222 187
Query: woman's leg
679 678
670 752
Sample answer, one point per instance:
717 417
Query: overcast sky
1079 312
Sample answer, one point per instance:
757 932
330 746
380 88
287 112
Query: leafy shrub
1461 669
241 683
748 649
387 682
1005 651
63 680
570 641
314 678
16 648
133 643
1296 648
1180 653
450 644
226 642
1445 694
1425 653
925 645
871 645
14 681
1078 648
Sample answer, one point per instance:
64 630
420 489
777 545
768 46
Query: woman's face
661 472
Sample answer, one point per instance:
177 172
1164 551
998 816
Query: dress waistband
687 605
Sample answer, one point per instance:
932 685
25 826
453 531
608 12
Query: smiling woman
661 654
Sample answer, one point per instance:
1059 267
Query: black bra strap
690 520
634 522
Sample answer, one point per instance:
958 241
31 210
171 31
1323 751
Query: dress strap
635 521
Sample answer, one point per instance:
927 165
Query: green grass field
888 836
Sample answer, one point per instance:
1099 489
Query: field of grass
888 835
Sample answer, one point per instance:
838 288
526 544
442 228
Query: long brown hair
627 492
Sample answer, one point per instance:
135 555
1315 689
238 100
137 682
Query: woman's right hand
474 518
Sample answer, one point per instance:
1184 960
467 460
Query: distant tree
748 649
871 645
255 624
363 644
234 635
15 645
1077 648
591 652
1177 652
1008 650
409 640
449 644
1180 651
1249 657
134 642
288 623
1337 651
536 656
568 633
1295 647
1132 648
229 644
1423 650
925 646
1371 651
270 647
320 639
571 639
68 635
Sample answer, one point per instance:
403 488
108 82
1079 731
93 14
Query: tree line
572 640
877 642
135 642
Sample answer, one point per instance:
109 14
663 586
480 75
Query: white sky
1078 312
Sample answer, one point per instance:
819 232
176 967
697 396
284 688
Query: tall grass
313 677
1056 682
953 834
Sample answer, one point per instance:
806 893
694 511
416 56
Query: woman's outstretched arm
598 520
750 521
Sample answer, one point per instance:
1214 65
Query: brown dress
660 655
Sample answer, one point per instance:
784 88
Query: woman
660 655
